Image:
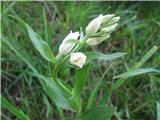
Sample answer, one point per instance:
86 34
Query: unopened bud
94 25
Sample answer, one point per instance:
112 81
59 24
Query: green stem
55 72
78 113
61 60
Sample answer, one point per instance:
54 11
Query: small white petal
78 59
94 25
96 40
66 47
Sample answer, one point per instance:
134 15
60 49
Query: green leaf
37 41
98 113
81 76
136 72
40 45
98 55
19 113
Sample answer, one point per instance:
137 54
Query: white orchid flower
78 59
65 46
94 25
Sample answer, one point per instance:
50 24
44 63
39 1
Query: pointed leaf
40 45
37 41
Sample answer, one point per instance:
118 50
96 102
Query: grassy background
138 31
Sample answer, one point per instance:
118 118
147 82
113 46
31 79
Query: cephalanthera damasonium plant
63 95
98 30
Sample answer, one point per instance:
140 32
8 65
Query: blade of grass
14 110
8 8
146 56
45 26
158 110
95 90
136 72
5 117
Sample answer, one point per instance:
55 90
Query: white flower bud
78 59
65 46
96 40
107 17
110 28
94 25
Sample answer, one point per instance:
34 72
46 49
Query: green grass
136 99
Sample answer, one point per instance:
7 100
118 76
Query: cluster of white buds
98 30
